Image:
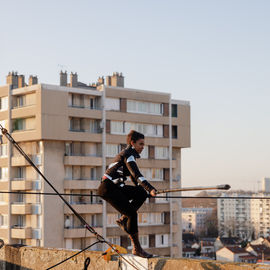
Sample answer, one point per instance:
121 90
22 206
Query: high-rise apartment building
234 216
72 132
242 217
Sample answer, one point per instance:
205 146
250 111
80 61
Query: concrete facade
72 132
30 258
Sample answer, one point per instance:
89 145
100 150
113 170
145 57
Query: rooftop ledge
26 258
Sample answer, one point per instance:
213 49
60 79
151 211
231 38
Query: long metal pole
220 187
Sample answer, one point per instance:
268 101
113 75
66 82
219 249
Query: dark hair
134 136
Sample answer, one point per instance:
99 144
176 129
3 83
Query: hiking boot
137 249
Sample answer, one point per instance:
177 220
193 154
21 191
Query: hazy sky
213 53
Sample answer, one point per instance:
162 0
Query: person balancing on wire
125 198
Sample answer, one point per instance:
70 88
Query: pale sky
214 54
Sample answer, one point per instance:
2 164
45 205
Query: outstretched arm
137 177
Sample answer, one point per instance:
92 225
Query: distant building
235 254
234 216
266 185
260 251
221 242
260 215
193 219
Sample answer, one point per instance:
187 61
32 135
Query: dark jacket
125 165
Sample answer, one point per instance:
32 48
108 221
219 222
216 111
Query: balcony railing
85 107
21 184
83 155
21 208
21 232
97 131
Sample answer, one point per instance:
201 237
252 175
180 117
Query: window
3 173
20 198
161 152
95 126
3 220
3 103
96 220
20 221
157 174
112 104
162 240
68 149
111 218
153 174
155 218
144 153
94 103
146 173
174 132
19 124
20 101
117 127
134 106
144 240
24 123
76 124
146 129
20 172
68 172
77 100
174 110
142 218
114 240
112 150
93 174
3 150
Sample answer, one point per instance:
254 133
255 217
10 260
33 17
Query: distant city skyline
215 55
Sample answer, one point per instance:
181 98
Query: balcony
21 184
157 163
21 161
81 184
83 160
21 209
21 232
94 208
3 208
3 232
155 207
80 232
3 185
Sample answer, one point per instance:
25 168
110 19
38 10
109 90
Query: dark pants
119 198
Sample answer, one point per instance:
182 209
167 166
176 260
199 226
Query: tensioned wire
161 197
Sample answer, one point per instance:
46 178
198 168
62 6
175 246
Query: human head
136 139
134 136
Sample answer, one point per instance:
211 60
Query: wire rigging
159 197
